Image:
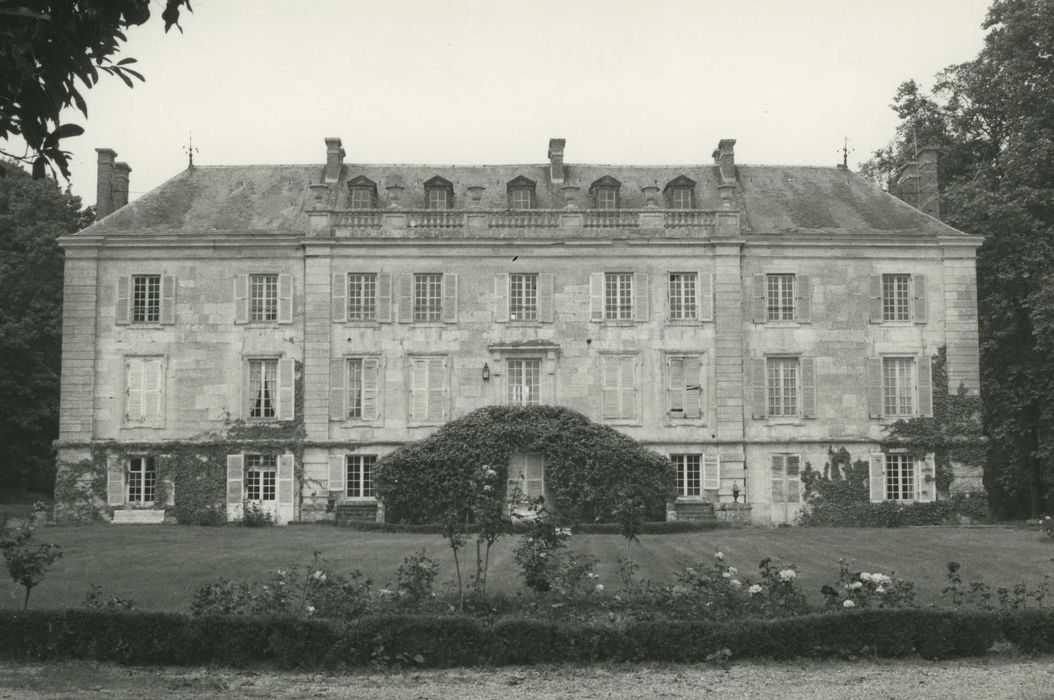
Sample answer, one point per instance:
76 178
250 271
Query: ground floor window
689 474
786 478
360 476
142 480
900 477
260 477
526 475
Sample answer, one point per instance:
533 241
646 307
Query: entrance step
696 511
356 511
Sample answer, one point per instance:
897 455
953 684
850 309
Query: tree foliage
52 49
993 119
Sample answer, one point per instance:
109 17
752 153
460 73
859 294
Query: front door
526 480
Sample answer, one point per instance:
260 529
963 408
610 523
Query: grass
161 566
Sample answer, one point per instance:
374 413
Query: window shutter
596 296
337 472
779 484
235 492
122 310
921 298
808 387
761 308
501 298
169 481
115 492
545 297
803 298
152 389
711 473
759 398
370 388
384 297
285 298
640 296
241 299
167 312
133 407
926 479
286 389
419 389
924 367
793 478
877 477
628 399
675 386
338 410
449 311
609 367
873 375
874 286
705 292
693 390
284 484
406 298
339 295
437 389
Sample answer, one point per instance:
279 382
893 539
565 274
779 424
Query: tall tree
993 119
33 214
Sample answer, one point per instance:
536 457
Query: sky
491 81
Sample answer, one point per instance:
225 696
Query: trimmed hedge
659 527
442 641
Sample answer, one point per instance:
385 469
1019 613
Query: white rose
865 577
719 556
732 570
726 575
735 582
755 589
848 604
880 590
856 585
599 588
311 610
788 574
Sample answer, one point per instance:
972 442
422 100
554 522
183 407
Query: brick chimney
104 182
119 185
334 159
917 183
556 160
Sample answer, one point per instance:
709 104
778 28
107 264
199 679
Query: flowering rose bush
780 594
415 580
538 551
862 589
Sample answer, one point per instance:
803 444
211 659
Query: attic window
521 193
605 193
362 193
680 193
439 194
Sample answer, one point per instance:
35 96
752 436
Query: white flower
719 556
865 577
735 582
726 575
599 588
880 590
311 610
788 574
384 592
855 585
690 571
732 570
880 579
491 473
564 531
755 589
319 576
592 576
488 488
848 604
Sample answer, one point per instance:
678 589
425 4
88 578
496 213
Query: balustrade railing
604 218
357 219
435 218
527 218
684 218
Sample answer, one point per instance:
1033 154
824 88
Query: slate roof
217 200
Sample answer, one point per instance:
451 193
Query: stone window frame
366 309
362 194
682 296
896 392
897 297
606 194
779 394
523 297
446 365
781 289
536 361
670 418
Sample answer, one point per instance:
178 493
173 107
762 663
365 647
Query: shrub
861 589
957 635
255 515
1048 527
1030 631
26 563
537 551
415 579
95 600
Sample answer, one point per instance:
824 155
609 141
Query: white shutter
337 389
339 298
758 397
705 293
921 310
337 473
628 387
133 406
115 472
693 389
284 485
808 387
609 376
167 312
711 472
419 388
286 389
874 305
926 479
152 381
640 296
406 298
241 299
384 297
285 298
437 389
877 477
675 386
122 309
370 388
545 297
760 301
793 478
596 296
802 298
924 368
778 468
501 298
873 377
449 311
235 491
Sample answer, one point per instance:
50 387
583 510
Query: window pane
437 199
618 296
361 198
146 298
900 477
896 298
521 198
782 386
606 198
262 388
428 297
682 295
897 386
680 198
523 297
689 477
780 297
362 297
524 382
354 374
263 297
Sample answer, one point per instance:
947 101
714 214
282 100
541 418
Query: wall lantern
486 372
735 492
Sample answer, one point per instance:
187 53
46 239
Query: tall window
142 480
682 296
896 297
521 198
898 395
362 296
780 297
260 471
619 387
144 389
523 297
618 296
680 198
782 375
146 298
263 388
354 370
900 477
524 382
428 296
786 478
360 476
684 390
428 389
362 198
263 297
437 198
526 475
605 198
689 474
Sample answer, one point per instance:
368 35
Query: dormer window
521 193
680 193
362 193
605 193
439 194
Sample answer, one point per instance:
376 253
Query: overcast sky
490 81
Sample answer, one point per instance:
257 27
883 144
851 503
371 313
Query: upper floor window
429 382
521 193
263 297
524 380
898 386
680 193
683 296
896 297
362 296
619 387
146 298
782 386
439 194
605 193
428 296
523 296
263 388
144 389
684 390
362 193
618 296
780 296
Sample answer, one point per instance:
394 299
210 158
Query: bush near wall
449 640
661 527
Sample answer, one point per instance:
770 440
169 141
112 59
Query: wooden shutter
793 465
924 367
759 397
339 296
803 298
926 479
337 473
628 387
115 472
758 291
168 480
596 296
338 409
877 477
152 379
235 491
406 298
675 387
808 387
285 298
449 311
501 298
921 309
711 472
778 470
241 299
705 294
133 405
545 297
123 307
384 297
609 368
874 306
370 388
640 296
167 312
693 389
873 377
286 389
419 388
437 388
284 484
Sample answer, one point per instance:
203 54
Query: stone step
695 511
138 516
356 511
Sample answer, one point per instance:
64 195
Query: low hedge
649 528
449 640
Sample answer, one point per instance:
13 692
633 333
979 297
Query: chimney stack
917 183
104 182
725 157
556 160
334 159
119 185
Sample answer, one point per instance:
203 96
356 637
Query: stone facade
624 306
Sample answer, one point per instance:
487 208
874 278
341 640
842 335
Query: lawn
161 566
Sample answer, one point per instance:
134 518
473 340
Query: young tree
26 563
